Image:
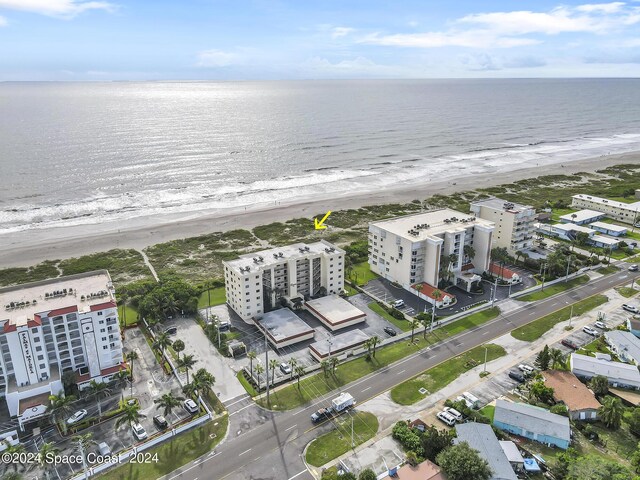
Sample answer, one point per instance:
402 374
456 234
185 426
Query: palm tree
168 402
130 415
293 363
121 376
99 390
333 364
84 442
169 306
518 255
299 372
413 324
273 364
162 342
130 357
178 346
187 362
469 252
251 356
59 409
374 342
190 390
325 366
47 451
259 370
557 358
12 476
203 382
611 412
17 451
367 343
599 385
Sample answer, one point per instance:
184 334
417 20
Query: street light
544 272
485 358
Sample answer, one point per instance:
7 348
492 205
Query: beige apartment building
513 222
624 212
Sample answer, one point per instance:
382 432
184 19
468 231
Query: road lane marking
293 426
532 313
554 304
237 401
237 411
401 372
485 333
368 388
246 451
297 475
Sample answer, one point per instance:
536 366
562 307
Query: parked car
171 330
190 406
446 418
633 268
104 449
590 330
321 414
390 331
454 413
600 325
460 398
569 343
138 431
630 308
398 303
76 417
224 326
160 422
517 376
526 369
285 368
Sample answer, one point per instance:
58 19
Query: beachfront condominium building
513 222
48 328
623 212
416 250
257 282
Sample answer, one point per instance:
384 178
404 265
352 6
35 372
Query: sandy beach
30 247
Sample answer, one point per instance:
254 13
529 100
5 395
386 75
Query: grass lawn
608 269
337 442
534 330
469 322
554 289
218 297
442 375
401 324
597 346
131 314
488 411
361 274
175 453
558 212
627 291
245 383
350 290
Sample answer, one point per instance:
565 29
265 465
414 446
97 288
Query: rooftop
426 470
625 341
571 227
499 204
340 342
283 324
334 309
480 437
609 226
616 371
614 203
31 299
634 323
428 290
280 255
501 271
581 216
569 390
430 224
605 240
510 449
533 419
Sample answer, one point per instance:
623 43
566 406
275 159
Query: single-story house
633 324
609 229
569 231
480 437
625 345
534 423
581 217
418 425
619 374
579 400
513 454
426 470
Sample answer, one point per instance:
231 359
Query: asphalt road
272 447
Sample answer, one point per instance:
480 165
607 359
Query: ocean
87 153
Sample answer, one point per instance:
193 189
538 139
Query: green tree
611 412
461 462
333 364
99 390
16 450
59 409
599 385
633 420
413 324
259 370
560 409
469 253
203 381
187 362
543 358
12 476
592 467
325 367
299 370
162 342
167 402
635 458
558 359
293 363
367 474
83 442
374 343
130 415
251 356
412 458
273 364
434 441
47 451
178 346
131 357
539 392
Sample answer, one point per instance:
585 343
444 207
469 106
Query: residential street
277 440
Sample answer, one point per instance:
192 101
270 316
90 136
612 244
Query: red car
568 343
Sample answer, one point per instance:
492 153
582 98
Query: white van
398 304
446 418
454 413
471 400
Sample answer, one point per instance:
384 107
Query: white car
76 417
527 369
600 325
454 413
138 431
190 406
590 330
285 368
630 308
446 418
398 303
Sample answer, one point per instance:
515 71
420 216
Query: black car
171 330
517 376
568 343
390 331
160 422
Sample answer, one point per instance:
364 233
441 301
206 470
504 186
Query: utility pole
485 359
266 363
433 315
570 316
495 292
566 277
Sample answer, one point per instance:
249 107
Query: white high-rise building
513 222
50 327
257 282
414 249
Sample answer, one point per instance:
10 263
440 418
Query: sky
316 39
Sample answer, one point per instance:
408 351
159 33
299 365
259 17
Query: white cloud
216 58
320 67
469 38
57 8
601 7
3 22
341 32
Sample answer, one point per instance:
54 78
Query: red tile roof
501 271
428 290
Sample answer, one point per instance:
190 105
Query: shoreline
29 247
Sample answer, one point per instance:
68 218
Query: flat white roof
96 283
334 309
605 240
499 204
283 324
615 371
572 227
610 226
281 255
340 342
430 224
604 201
581 216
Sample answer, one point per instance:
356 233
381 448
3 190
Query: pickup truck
341 403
